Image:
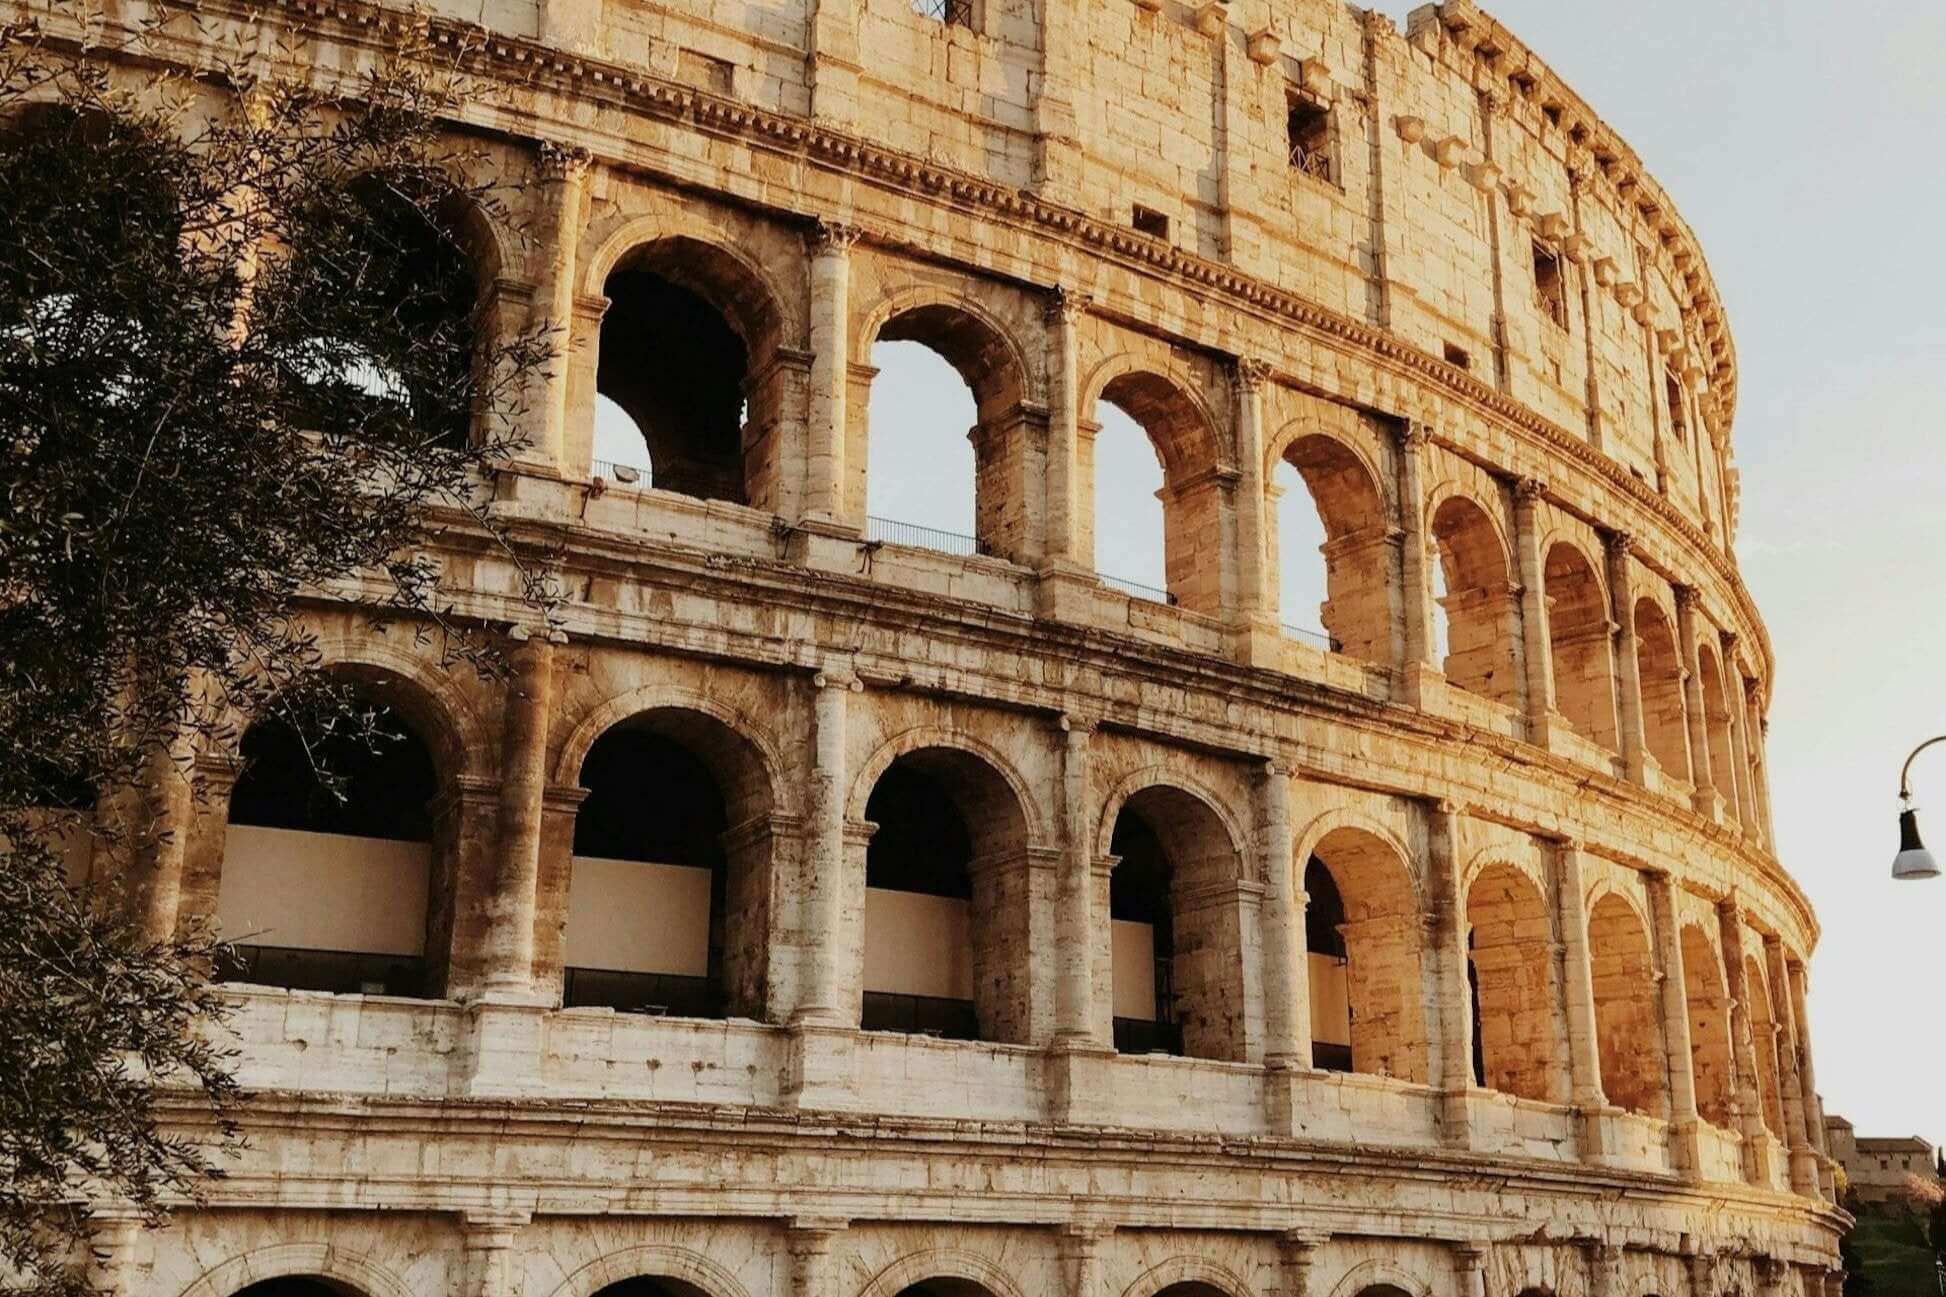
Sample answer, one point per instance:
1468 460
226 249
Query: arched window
1709 1027
1481 611
665 905
652 1286
1367 1013
946 924
953 463
1330 506
1764 1042
945 1286
299 1286
1579 637
1191 496
689 389
1664 724
1515 992
328 859
1177 969
920 486
1628 1020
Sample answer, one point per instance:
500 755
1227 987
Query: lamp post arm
1905 771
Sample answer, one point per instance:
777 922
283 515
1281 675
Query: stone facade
1413 265
1877 1168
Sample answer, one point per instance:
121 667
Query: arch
1370 1278
430 696
1161 776
941 1263
1480 608
685 351
651 1260
975 341
1515 1043
1176 979
329 1261
947 921
1369 997
672 877
1706 994
945 738
1581 641
1193 1271
612 711
755 302
1763 1039
292 853
1360 562
1628 1019
1664 715
1182 431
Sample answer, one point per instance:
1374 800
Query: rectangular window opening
1150 222
1550 285
1457 355
1307 127
1678 420
953 13
706 70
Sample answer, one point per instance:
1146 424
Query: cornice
526 61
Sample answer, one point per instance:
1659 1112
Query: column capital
1298 1244
563 163
1412 434
825 237
812 1235
1064 305
1620 544
1471 1255
1528 490
1252 373
1687 598
838 678
1074 724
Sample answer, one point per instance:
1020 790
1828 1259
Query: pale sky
1805 143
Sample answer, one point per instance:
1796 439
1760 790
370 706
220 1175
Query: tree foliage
243 359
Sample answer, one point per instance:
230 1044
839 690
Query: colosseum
828 908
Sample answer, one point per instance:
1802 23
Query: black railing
919 1015
664 994
1142 1036
1152 593
1312 160
1317 637
341 972
624 474
954 13
890 531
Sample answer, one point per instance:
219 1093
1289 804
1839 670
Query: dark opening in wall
1307 129
1458 355
1550 285
1678 418
1138 892
954 13
1150 222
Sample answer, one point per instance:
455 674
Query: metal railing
1317 637
1154 594
1313 161
954 13
623 474
890 531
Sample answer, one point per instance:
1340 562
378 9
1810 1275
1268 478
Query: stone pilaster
1628 664
814 1270
488 1237
1258 639
1759 1147
1683 1117
1452 990
563 174
1577 976
1287 1003
823 892
1067 488
832 63
1697 714
1415 577
826 471
507 944
1537 658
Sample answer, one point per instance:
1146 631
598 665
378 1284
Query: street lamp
1913 860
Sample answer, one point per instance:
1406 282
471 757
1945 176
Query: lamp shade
1913 860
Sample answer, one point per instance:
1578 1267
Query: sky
1805 143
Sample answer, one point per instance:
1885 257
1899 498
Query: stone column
119 1250
1577 976
1287 990
202 873
1692 697
1621 592
1081 1259
831 64
824 892
1065 485
1057 148
507 945
1797 1131
1739 734
488 1238
1469 1269
563 188
1074 946
1760 772
1297 1254
1452 1006
1808 1080
830 342
1539 659
814 1272
1415 580
1702 1274
1759 1150
1675 1024
1259 639
161 816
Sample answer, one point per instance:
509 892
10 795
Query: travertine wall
1575 966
